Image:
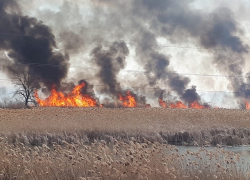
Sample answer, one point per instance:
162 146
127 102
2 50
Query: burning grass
73 99
128 100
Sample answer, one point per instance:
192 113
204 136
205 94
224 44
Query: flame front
247 105
162 103
196 105
73 99
178 104
128 100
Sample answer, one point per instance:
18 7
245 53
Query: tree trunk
26 102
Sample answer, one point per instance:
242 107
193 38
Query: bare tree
26 84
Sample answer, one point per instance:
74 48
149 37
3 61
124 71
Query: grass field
124 119
107 144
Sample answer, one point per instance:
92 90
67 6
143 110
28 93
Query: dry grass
117 160
128 120
67 143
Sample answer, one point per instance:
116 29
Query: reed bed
116 160
120 119
126 144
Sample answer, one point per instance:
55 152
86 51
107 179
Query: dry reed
32 145
123 119
117 160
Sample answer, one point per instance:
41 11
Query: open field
173 126
130 120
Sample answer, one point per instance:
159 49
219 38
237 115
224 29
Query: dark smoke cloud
156 65
159 92
110 61
215 30
88 88
36 45
141 22
220 32
190 95
148 55
178 83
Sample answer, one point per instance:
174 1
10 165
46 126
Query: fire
247 105
128 100
178 104
73 99
162 103
196 105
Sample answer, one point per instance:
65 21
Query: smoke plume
110 61
190 95
156 66
138 22
30 42
215 31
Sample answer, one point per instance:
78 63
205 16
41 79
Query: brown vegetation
117 160
125 119
102 143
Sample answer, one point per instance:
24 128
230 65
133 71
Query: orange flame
196 105
128 100
162 103
178 104
247 105
73 99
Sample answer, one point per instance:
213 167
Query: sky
81 25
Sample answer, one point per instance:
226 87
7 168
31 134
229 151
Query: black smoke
190 95
110 61
215 31
156 66
31 43
141 22
87 89
159 92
